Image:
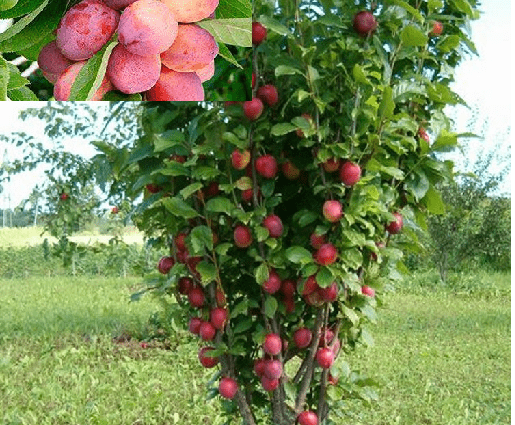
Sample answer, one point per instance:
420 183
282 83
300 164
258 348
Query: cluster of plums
161 52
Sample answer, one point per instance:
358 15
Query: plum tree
194 48
85 28
173 85
132 73
147 27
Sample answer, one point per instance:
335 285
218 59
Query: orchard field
74 350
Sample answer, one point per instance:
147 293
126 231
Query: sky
483 82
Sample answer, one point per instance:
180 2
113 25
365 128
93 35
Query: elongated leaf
219 205
179 208
235 31
234 9
410 9
207 272
22 94
261 273
21 8
4 78
387 105
298 254
273 25
282 128
15 79
270 306
168 139
287 70
91 75
201 237
433 201
43 20
225 53
413 37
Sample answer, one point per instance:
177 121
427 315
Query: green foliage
36 20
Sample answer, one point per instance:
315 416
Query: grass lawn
442 357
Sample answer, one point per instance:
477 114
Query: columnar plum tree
278 259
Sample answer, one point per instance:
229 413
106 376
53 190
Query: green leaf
91 75
21 8
220 205
410 9
282 128
15 79
190 190
387 105
4 79
168 139
22 94
243 326
305 217
359 75
173 169
6 38
273 25
225 53
448 43
298 255
204 173
240 308
433 201
367 337
261 273
201 237
243 183
287 70
207 272
234 31
445 142
417 184
350 314
433 5
324 277
270 306
115 95
179 208
369 312
411 36
234 9
262 233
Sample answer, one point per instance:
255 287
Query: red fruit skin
253 80
329 294
289 304
364 23
240 160
184 285
332 211
206 361
246 195
274 225
221 301
326 254
290 171
325 358
368 291
316 241
242 236
395 226
268 94
288 288
228 387
273 283
437 29
310 286
350 173
332 380
207 331
326 337
259 367
153 188
302 337
331 165
180 241
266 166
423 134
218 317
196 297
269 384
272 344
194 325
165 264
307 418
258 33
253 108
273 369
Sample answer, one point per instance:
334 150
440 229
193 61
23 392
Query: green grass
442 356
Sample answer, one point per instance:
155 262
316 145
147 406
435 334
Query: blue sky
483 82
